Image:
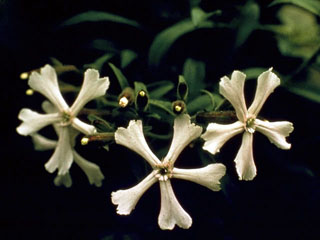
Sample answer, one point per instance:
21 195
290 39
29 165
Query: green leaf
101 124
248 22
104 45
215 100
305 90
96 16
121 78
200 103
182 89
126 57
198 15
98 64
164 105
165 39
159 89
194 73
310 5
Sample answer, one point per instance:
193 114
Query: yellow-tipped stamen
123 102
24 75
84 141
29 92
142 93
177 108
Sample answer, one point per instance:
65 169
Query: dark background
281 202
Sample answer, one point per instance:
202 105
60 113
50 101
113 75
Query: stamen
142 93
29 92
164 171
66 119
24 75
250 126
123 102
84 141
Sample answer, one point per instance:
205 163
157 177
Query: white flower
61 115
171 212
217 134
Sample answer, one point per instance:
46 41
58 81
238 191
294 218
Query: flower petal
47 84
33 121
62 157
218 134
232 90
65 180
208 176
267 82
132 137
183 133
48 107
171 212
42 143
83 127
128 199
276 132
245 166
92 87
92 170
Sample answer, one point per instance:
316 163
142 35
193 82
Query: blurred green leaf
101 124
164 105
104 45
159 89
121 78
182 89
198 15
194 73
96 16
299 33
216 100
126 57
98 64
310 5
203 102
165 39
248 22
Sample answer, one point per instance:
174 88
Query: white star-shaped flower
171 212
41 143
65 117
217 134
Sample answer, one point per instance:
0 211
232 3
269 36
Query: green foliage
159 89
96 16
194 72
248 22
127 56
121 78
99 62
310 5
165 39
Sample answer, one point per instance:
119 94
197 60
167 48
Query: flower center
164 171
250 126
66 119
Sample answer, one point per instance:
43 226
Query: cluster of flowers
68 126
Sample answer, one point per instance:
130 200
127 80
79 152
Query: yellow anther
142 93
29 92
177 108
84 141
24 75
123 102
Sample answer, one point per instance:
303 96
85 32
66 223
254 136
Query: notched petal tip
65 180
171 212
128 199
217 135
